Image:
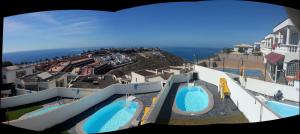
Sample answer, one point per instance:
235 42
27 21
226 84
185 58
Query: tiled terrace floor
70 124
222 112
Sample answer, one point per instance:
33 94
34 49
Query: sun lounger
146 110
261 98
154 100
131 98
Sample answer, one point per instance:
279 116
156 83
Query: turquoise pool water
111 117
42 110
191 99
284 110
248 72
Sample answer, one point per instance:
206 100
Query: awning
274 58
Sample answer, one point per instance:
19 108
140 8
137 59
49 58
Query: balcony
287 48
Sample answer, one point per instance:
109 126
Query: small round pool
111 117
193 100
283 110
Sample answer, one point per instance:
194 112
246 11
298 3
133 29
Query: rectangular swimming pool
41 111
248 72
284 110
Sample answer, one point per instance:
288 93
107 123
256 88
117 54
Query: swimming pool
111 117
191 99
284 110
42 110
248 72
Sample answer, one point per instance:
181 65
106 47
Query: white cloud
41 16
80 26
14 26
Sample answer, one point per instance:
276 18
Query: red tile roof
273 58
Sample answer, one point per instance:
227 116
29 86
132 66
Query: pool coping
207 109
132 122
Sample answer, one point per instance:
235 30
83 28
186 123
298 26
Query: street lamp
223 63
242 61
265 71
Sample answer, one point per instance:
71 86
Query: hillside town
85 90
92 69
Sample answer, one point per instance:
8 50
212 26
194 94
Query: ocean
36 55
190 53
187 53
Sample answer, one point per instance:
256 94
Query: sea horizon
185 52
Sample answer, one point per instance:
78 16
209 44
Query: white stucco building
42 81
10 73
284 40
148 76
245 47
160 74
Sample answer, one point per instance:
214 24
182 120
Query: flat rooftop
145 73
36 78
81 60
15 67
244 46
87 82
60 66
166 75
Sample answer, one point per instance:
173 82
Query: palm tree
7 63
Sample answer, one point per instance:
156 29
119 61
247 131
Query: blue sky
202 24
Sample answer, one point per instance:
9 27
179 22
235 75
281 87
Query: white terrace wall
42 122
161 97
140 87
40 96
248 104
239 56
72 92
137 78
28 98
23 91
268 88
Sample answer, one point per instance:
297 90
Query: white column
287 41
270 71
279 38
293 49
276 74
285 66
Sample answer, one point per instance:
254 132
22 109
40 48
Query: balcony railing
287 48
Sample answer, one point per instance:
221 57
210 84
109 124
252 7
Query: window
294 38
3 76
293 67
19 86
20 73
